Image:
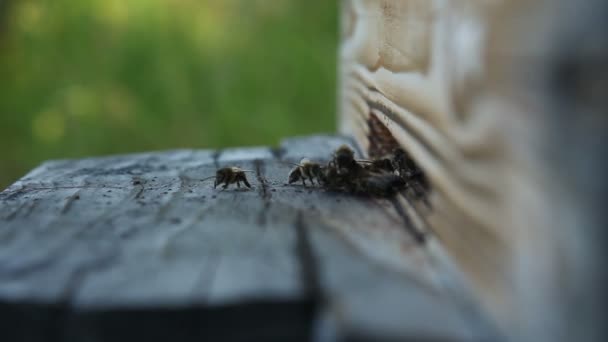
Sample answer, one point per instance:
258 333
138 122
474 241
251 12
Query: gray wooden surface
94 239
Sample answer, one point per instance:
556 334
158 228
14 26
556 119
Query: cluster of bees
382 177
377 177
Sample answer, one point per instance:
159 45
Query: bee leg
246 182
303 181
238 183
225 186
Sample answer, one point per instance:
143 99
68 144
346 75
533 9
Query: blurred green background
82 78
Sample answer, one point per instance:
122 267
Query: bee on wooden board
378 165
344 170
404 164
333 180
230 175
344 160
306 169
381 184
377 177
383 177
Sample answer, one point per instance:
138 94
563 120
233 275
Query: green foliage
82 78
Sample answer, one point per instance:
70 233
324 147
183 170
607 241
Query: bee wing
292 164
364 161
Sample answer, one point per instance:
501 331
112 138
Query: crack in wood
70 200
10 195
184 183
13 194
169 240
109 214
52 257
208 273
395 117
419 236
309 265
381 140
424 225
382 143
139 184
30 206
56 252
79 275
41 264
264 193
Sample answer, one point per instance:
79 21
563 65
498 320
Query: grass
82 78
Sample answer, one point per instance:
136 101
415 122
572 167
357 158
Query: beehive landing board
138 246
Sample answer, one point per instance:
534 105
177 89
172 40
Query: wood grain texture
477 93
140 238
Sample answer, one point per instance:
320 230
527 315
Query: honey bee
333 180
343 171
230 175
382 177
306 169
381 184
404 164
378 165
344 160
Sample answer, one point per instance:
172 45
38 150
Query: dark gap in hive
382 144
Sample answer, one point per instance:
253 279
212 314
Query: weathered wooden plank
131 236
